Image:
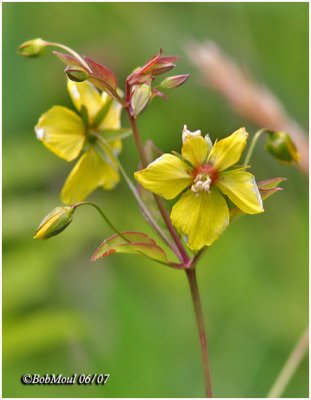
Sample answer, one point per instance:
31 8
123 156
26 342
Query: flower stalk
181 252
253 145
103 215
196 300
147 215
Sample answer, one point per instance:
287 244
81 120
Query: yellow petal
195 150
167 176
62 131
112 119
85 94
241 188
202 218
90 172
227 152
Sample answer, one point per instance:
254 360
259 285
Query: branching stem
115 164
181 252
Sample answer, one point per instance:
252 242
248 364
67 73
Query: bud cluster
139 84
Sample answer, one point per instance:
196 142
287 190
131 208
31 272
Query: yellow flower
68 135
202 213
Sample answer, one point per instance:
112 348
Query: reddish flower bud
160 69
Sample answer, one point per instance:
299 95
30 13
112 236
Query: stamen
202 183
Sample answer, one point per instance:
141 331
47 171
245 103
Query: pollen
202 183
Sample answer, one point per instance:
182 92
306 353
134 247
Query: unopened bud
55 222
76 74
174 81
160 69
32 48
140 98
281 146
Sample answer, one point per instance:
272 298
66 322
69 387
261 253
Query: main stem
191 275
180 248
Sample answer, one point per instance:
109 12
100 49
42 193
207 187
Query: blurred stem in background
248 98
290 366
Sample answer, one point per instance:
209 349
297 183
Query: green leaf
113 134
101 77
130 243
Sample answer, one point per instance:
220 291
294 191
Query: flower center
202 183
204 176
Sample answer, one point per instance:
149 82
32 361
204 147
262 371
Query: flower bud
32 48
76 74
140 98
160 69
281 146
174 81
55 222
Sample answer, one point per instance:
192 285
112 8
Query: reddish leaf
149 64
167 59
157 93
68 59
131 243
102 73
269 186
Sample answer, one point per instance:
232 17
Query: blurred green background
125 315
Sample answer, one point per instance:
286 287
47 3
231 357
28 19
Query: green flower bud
140 99
77 74
281 146
55 222
32 48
